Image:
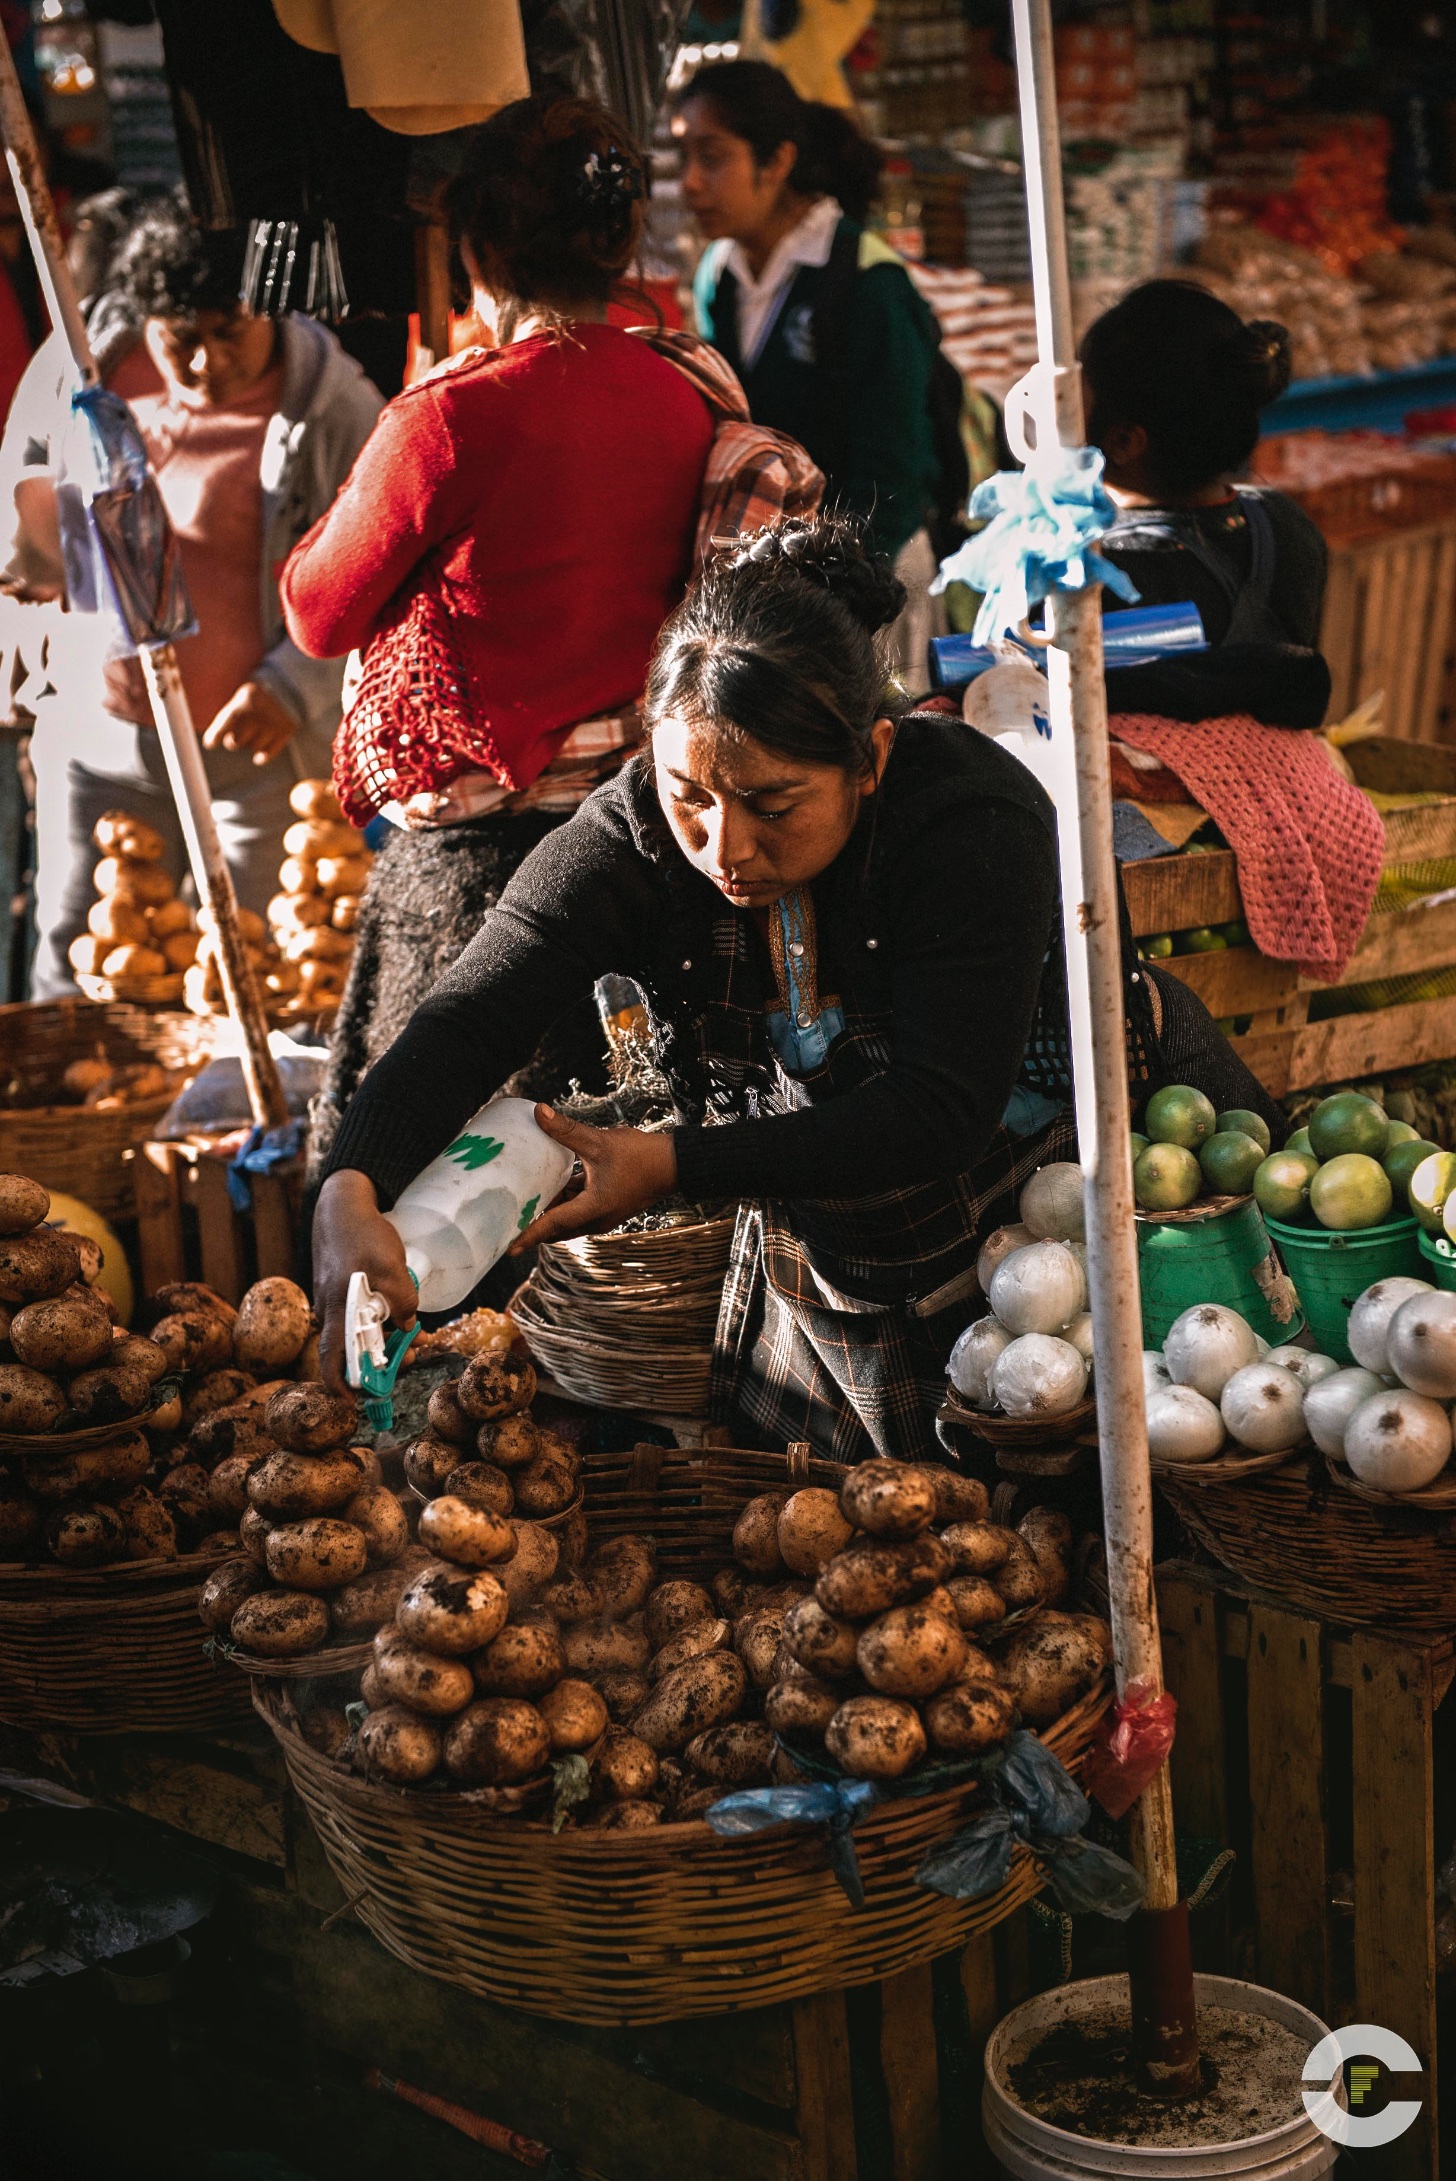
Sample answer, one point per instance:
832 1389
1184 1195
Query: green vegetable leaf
473 1152
572 1784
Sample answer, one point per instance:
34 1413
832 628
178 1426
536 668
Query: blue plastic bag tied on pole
832 1803
1042 526
117 544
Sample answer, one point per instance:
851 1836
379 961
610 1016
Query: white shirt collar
808 242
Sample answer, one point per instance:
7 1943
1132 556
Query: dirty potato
820 1641
575 1714
319 1554
673 1606
67 1332
380 1520
23 1204
428 1463
469 1535
484 1485
910 1651
756 1535
704 1693
397 1746
625 1768
812 1530
869 1578
520 1661
498 1741
438 1687
492 1386
274 1320
875 1737
310 1418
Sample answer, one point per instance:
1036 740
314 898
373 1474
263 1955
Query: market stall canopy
418 67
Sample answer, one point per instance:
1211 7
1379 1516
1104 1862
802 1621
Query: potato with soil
23 1204
756 1639
570 1599
624 1571
821 1642
672 1606
958 1498
228 1433
380 1520
319 1554
888 1498
310 1418
121 1462
446 1418
604 1647
622 1691
1049 1665
483 1485
398 1747
875 1737
812 1530
290 1487
218 1390
109 1393
470 1536
280 1624
910 1651
40 1263
969 1718
494 1386
1020 1581
274 1320
227 1487
498 1741
576 1716
707 1692
868 1579
20 1519
185 1296
546 1486
511 1442
978 1548
82 1535
29 1401
451 1611
185 1494
438 1687
801 1707
532 1564
254 1530
67 1332
429 1463
225 1590
151 1534
520 1661
756 1536
367 1603
975 1603
194 1340
733 1756
1048 1534
696 1641
625 1768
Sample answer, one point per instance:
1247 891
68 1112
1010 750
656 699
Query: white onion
1308 1367
969 1368
1420 1345
1371 1315
1051 1203
1183 1426
1079 1333
1262 1345
1156 1374
1329 1406
1038 1375
1263 1407
1038 1289
1206 1345
995 1247
1398 1441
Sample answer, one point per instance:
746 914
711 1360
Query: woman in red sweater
503 553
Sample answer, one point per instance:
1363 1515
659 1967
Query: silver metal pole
1095 973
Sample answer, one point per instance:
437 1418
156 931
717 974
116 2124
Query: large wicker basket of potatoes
536 1833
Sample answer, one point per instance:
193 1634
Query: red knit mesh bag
412 725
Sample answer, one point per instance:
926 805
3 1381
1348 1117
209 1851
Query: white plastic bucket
1029 2149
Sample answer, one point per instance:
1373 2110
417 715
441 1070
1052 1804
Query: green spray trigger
372 1359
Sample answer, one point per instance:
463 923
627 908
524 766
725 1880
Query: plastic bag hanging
831 1803
1042 526
1130 1746
117 544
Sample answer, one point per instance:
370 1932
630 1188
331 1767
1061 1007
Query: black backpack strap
832 309
725 321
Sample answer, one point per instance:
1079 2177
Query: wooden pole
1164 2021
170 709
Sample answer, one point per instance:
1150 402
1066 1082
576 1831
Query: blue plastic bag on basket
1040 1804
834 1803
1042 526
117 544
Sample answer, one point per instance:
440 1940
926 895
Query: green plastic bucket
1332 1271
1217 1254
1440 1260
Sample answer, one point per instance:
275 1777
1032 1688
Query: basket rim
65 1442
1228 1468
19 1577
1017 1431
321 1665
1433 1499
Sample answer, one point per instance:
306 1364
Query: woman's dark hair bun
1267 348
829 551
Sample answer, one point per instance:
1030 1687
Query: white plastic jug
464 1211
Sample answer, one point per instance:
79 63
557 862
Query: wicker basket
324 1665
112 1650
1294 1533
626 1321
601 1927
1024 1433
75 1149
136 991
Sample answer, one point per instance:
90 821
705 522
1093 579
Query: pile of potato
325 870
137 929
202 986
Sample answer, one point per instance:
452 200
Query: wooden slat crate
1284 1049
1313 1749
1387 625
188 1229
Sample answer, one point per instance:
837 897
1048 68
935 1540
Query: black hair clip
609 181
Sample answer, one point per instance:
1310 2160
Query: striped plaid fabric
591 753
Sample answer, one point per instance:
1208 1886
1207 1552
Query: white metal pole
170 709
1091 925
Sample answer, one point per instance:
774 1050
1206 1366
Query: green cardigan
866 418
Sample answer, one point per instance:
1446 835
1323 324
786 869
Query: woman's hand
626 1170
253 719
351 1234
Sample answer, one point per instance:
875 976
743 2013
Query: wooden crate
1334 1731
1283 1048
1387 625
188 1228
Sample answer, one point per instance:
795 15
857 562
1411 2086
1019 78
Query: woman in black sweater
840 921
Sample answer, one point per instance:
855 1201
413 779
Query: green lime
1178 1114
1229 1162
1298 1140
1351 1191
1400 1132
1348 1121
1247 1123
1201 940
1139 1144
1401 1106
1166 1178
1429 1186
1402 1162
1281 1185
1235 934
1227 1025
1160 946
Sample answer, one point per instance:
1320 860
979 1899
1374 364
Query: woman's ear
882 737
1125 448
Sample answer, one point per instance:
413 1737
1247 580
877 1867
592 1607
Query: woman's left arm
972 911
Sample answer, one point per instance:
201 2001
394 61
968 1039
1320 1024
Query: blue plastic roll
1131 637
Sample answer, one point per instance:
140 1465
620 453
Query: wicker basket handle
796 1455
644 1475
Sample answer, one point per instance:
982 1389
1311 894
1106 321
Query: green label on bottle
528 1213
473 1152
